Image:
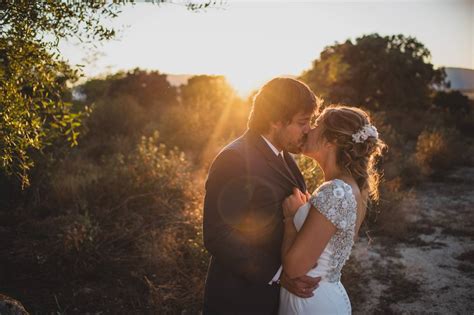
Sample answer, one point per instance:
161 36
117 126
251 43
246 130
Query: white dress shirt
275 150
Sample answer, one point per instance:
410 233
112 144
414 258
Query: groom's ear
275 125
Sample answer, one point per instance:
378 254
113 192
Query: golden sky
252 41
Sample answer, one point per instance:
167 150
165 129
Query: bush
311 171
133 219
116 116
209 114
438 150
389 218
452 101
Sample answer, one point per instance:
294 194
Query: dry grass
124 234
438 150
114 225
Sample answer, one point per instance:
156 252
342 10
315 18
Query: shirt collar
275 150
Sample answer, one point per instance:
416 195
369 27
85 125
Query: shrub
131 219
311 171
116 116
389 217
438 150
209 115
452 101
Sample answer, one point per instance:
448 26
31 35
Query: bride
321 228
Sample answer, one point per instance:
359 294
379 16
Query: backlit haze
251 42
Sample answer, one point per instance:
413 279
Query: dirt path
432 269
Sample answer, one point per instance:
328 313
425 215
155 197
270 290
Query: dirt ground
431 270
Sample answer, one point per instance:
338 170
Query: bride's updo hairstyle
358 145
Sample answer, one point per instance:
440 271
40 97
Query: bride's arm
300 251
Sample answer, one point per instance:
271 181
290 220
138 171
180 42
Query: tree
151 89
34 109
210 111
453 101
390 72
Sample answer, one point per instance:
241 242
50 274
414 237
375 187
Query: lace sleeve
334 200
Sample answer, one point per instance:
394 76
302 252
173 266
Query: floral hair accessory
365 132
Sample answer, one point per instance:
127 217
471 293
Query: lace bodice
335 200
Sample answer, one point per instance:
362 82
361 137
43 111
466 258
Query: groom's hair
278 101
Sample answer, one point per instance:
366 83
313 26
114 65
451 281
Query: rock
9 306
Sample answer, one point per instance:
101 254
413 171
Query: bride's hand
293 202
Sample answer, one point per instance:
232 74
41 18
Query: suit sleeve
229 191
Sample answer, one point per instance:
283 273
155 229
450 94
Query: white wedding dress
335 200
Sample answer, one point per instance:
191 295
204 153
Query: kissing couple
276 248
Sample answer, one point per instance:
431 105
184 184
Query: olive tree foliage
377 72
33 77
35 107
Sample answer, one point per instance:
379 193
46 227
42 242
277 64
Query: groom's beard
302 143
297 147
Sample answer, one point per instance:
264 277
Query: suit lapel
277 166
274 161
295 171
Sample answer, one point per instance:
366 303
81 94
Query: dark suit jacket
243 228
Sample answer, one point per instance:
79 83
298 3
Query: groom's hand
302 286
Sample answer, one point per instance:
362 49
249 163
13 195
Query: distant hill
462 80
178 79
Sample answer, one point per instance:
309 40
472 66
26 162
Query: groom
243 220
